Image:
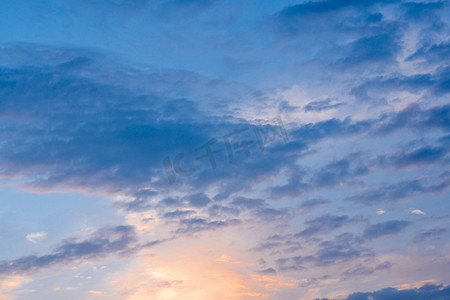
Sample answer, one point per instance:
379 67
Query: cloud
119 240
417 212
432 53
91 154
380 86
266 246
135 205
268 271
98 293
380 48
344 247
338 171
178 214
380 89
192 275
197 200
321 105
431 234
12 282
294 263
364 270
272 214
36 237
171 202
329 6
294 17
397 191
418 156
314 203
414 117
328 176
385 228
431 292
248 203
193 225
323 224
277 244
220 210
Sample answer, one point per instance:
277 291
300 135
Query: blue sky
204 149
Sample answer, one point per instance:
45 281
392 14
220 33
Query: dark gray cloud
91 152
313 203
178 214
362 270
268 271
385 228
267 246
416 118
344 247
248 203
197 200
339 171
141 202
376 89
313 281
427 292
347 170
290 20
119 240
119 140
294 263
285 107
332 174
134 205
380 48
193 225
432 53
107 133
171 202
323 224
269 214
321 105
429 235
220 210
279 244
417 156
397 191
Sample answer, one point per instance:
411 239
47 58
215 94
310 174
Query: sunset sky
235 149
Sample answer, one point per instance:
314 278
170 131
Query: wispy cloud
35 237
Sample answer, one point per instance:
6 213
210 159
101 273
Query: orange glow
97 293
11 282
416 285
260 295
183 271
224 258
273 282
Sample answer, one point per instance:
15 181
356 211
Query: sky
205 149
